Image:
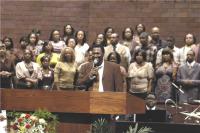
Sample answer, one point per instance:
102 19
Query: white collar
102 64
154 108
116 45
190 64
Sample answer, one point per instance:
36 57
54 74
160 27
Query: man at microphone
100 75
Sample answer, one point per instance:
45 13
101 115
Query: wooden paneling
76 110
134 104
71 101
108 103
54 101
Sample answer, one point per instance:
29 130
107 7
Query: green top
64 74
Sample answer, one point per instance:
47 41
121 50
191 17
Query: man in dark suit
100 75
151 102
188 77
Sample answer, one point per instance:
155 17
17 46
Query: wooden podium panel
134 104
76 109
115 103
108 103
71 101
53 101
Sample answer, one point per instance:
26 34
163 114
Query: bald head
155 33
190 56
155 29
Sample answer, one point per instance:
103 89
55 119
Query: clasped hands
5 74
187 82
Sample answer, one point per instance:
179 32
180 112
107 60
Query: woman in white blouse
28 72
81 47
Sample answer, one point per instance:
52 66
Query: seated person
153 113
151 102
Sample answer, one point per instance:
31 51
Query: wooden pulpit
73 106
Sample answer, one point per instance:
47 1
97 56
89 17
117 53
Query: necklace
165 65
29 66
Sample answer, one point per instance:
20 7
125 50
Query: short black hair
67 41
171 38
150 93
98 46
144 34
192 51
143 52
118 57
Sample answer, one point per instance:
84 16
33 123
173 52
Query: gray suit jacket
191 89
192 74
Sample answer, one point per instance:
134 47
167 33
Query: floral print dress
164 78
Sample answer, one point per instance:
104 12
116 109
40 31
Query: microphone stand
170 100
179 90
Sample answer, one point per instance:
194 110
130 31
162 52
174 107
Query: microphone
178 88
95 62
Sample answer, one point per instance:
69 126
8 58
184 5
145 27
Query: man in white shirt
100 75
123 51
189 44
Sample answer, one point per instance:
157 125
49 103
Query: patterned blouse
164 78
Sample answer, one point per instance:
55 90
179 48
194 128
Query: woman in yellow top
47 50
65 73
